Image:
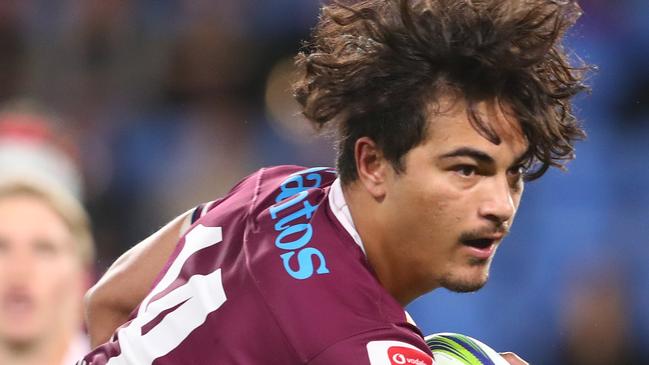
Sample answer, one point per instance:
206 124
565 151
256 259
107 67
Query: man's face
456 199
41 276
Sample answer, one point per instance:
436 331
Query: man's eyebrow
480 155
470 152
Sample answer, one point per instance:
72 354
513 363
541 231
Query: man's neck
375 235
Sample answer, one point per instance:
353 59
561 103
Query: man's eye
465 170
517 175
517 170
45 248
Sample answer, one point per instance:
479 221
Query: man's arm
513 359
111 300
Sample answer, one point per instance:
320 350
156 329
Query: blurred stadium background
171 102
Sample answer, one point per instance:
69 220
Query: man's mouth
17 303
480 243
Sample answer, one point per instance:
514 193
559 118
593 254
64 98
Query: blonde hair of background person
46 255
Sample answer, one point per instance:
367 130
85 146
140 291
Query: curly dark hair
372 66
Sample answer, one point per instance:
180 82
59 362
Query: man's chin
20 342
463 287
461 284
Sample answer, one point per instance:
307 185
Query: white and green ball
457 349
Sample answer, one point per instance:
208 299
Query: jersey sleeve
379 347
194 215
199 211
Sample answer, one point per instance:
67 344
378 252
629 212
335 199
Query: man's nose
498 205
18 265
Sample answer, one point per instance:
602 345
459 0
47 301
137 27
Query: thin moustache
489 234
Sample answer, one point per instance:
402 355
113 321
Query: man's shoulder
270 185
310 274
265 187
279 173
313 277
287 181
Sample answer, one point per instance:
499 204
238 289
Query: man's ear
371 166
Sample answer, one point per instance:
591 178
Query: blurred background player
46 248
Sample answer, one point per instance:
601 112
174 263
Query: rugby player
443 109
46 246
45 267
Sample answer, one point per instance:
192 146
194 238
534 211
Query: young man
46 248
45 267
442 109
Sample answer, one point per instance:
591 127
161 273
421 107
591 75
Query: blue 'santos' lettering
294 237
305 263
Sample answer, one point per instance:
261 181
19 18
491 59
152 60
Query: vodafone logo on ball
396 353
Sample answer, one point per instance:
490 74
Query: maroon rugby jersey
270 274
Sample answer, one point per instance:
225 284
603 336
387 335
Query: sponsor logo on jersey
396 353
402 355
295 231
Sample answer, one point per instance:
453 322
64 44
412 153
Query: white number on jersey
198 297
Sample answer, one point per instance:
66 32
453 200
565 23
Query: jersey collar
341 211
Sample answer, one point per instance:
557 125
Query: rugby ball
457 349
